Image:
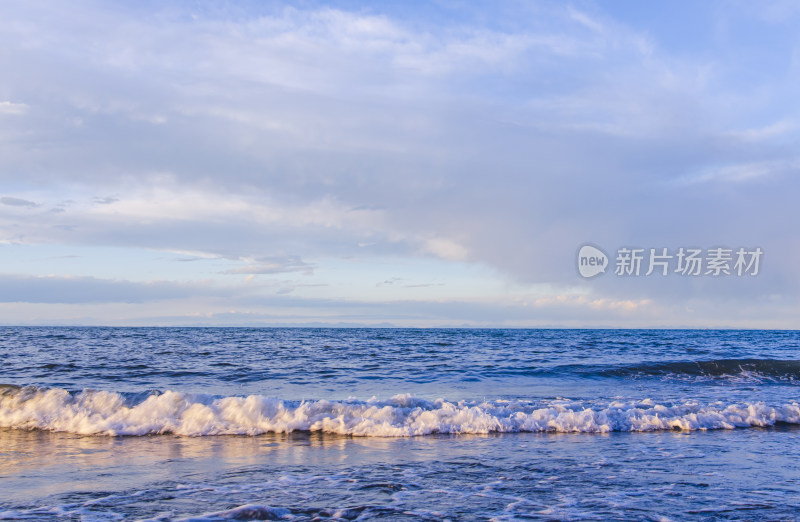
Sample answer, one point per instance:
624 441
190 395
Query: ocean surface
398 424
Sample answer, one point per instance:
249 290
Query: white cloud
7 107
446 249
773 130
739 173
274 265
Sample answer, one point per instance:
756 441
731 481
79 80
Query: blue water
314 424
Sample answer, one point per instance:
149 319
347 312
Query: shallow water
543 424
729 474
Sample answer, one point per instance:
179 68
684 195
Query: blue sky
408 163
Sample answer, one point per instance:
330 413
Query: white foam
108 413
246 512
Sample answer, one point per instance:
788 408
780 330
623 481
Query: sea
203 424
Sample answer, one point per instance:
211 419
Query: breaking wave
764 369
171 412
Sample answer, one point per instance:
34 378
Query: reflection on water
727 473
43 463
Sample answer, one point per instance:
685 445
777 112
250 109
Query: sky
422 164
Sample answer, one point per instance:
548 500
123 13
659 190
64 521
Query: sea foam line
110 413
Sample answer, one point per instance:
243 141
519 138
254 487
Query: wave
108 413
756 369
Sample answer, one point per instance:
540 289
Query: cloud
86 300
741 172
274 265
771 131
106 200
18 288
7 107
446 249
499 136
17 202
